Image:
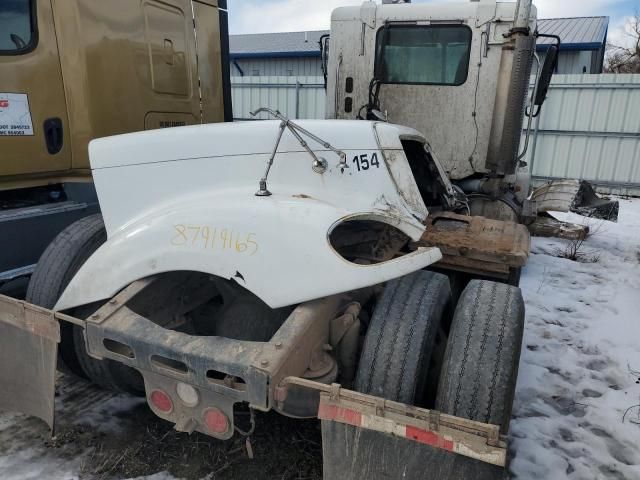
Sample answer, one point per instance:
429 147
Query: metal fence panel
295 97
589 127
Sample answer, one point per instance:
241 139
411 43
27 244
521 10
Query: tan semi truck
75 70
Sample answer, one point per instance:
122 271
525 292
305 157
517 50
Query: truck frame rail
266 375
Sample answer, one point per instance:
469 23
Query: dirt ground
107 437
103 436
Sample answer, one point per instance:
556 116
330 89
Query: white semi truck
322 269
460 74
301 290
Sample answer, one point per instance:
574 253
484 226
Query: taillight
216 421
161 401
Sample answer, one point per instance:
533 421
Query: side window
17 26
424 54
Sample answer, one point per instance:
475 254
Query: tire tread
401 332
479 373
59 263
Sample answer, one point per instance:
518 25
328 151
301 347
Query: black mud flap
353 453
29 338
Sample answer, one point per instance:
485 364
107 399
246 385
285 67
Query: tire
395 357
480 369
478 378
107 374
59 263
514 276
394 364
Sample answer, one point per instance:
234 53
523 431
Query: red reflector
216 421
161 401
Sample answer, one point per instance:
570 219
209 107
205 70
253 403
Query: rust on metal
120 300
547 226
476 244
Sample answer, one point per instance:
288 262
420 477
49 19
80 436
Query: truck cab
457 72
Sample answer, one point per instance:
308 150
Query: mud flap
29 338
352 453
372 438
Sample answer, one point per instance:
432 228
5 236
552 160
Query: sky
262 16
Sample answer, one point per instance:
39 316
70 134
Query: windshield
16 26
417 54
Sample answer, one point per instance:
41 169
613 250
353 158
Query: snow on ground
579 374
580 366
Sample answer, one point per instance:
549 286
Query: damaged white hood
184 199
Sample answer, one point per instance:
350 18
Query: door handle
53 135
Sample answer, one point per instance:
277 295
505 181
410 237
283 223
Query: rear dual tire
479 371
395 358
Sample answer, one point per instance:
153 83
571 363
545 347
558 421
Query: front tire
58 265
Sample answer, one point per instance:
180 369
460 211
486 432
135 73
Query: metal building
296 54
584 40
291 54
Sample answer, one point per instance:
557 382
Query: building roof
580 33
284 44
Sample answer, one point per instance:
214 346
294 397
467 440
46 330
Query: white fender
199 212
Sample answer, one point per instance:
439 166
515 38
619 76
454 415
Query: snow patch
581 357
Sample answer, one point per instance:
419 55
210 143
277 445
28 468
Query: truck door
128 65
431 64
209 50
170 37
33 112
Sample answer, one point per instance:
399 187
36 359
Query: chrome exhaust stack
512 92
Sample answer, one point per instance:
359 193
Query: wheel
395 357
59 263
478 378
394 364
480 369
243 316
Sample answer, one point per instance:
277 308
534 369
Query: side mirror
548 68
324 56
